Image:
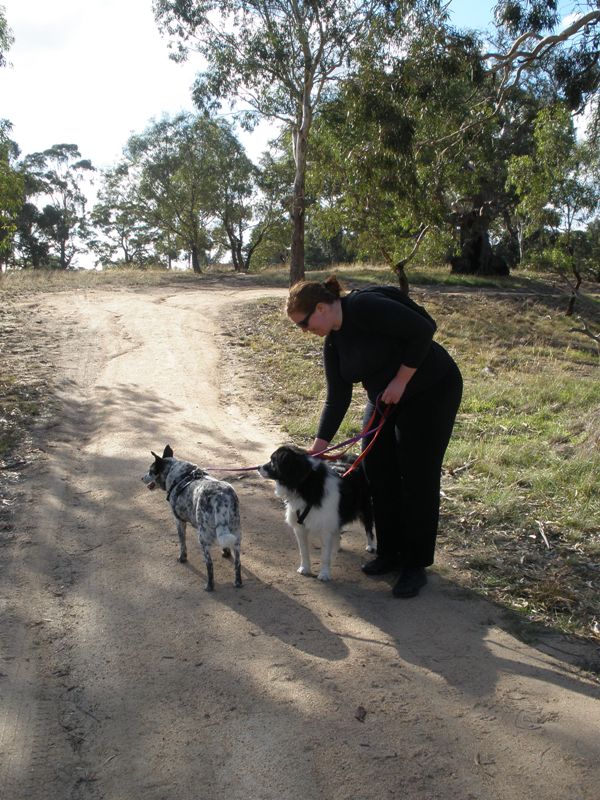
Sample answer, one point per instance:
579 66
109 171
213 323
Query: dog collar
302 516
182 483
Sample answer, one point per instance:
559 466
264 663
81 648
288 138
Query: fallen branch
457 470
595 337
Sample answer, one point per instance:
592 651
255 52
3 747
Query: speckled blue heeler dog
208 504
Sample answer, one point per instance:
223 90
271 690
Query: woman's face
319 321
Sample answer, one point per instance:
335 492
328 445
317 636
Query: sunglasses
305 322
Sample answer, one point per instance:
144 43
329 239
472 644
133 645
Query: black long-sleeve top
381 330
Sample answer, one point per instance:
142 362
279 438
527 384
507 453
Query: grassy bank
521 495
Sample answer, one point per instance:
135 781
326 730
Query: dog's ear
156 457
168 452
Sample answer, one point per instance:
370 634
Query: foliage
6 37
124 236
417 144
11 190
567 54
52 236
555 186
184 184
167 164
279 58
244 219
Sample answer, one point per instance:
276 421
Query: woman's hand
317 447
397 386
393 392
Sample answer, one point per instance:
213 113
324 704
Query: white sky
88 72
92 72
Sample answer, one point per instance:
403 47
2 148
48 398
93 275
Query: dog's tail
226 538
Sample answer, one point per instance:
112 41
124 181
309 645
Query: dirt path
121 679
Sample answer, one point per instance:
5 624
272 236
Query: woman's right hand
317 447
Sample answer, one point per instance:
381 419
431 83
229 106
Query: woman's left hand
396 387
393 392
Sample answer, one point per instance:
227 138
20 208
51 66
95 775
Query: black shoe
380 565
411 580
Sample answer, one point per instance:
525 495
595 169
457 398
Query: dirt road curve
121 679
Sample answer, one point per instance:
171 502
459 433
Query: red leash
366 431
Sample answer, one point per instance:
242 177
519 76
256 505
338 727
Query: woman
382 339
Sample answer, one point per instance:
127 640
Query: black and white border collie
319 501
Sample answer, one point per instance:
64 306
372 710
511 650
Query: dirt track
121 679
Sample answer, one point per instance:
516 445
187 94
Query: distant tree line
402 140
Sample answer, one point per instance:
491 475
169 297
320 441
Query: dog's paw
182 558
370 548
324 576
303 570
238 584
210 587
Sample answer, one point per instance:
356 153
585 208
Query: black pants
404 470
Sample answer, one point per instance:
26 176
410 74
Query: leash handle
363 455
366 431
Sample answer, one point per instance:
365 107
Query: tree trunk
476 254
297 272
237 255
300 141
402 278
235 246
196 259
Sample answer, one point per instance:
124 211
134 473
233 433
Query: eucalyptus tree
191 176
32 248
252 206
243 219
11 191
278 59
124 236
172 168
10 179
557 187
271 235
417 145
56 177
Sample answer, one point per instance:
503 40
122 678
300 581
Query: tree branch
586 332
520 58
404 261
